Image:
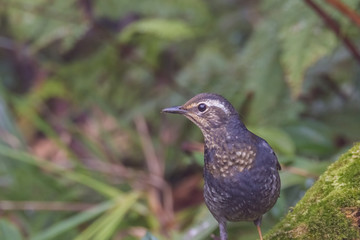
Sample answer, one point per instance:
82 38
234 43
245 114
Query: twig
334 26
139 178
114 170
153 164
299 171
192 147
348 12
162 194
44 206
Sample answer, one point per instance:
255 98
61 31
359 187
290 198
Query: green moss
331 208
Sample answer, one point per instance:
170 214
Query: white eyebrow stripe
218 104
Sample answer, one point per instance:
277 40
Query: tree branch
344 9
334 26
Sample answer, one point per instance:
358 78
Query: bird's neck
233 131
228 150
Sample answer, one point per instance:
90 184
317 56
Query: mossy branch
331 208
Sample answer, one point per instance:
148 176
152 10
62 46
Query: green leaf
311 166
303 43
303 38
290 179
8 231
344 121
208 69
264 74
162 28
278 139
197 11
199 158
8 131
311 137
45 22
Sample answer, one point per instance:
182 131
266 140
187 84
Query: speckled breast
237 185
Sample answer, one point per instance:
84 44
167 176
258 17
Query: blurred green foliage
83 83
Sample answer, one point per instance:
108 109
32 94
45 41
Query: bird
241 170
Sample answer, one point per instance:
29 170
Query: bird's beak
177 109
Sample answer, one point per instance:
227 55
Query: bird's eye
202 107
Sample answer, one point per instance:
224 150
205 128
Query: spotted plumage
240 171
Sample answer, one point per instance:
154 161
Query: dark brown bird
241 169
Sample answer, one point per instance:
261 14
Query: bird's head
208 111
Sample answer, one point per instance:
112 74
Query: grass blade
95 184
74 221
105 226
